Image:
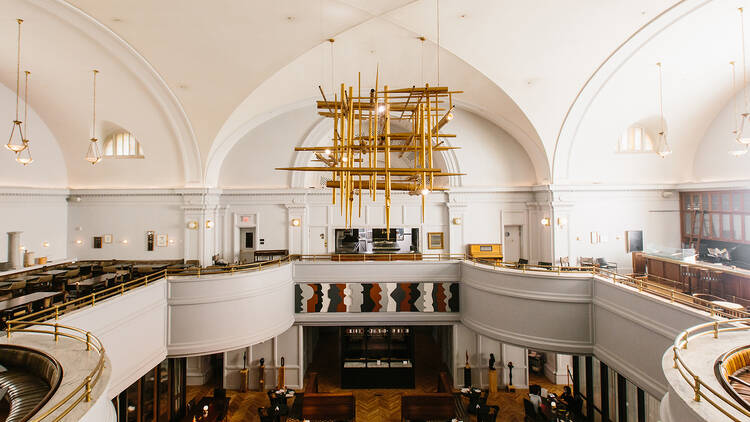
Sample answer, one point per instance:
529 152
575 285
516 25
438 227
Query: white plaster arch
600 77
135 63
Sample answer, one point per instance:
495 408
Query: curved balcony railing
82 392
702 390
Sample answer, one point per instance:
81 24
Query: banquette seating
326 406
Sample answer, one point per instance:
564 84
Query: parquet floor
374 405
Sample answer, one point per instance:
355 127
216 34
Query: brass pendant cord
26 106
744 65
661 102
734 96
437 3
93 119
18 67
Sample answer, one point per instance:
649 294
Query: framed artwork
634 240
97 242
435 240
162 240
150 240
107 238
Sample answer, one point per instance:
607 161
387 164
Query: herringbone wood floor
374 405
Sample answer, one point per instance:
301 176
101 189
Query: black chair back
488 413
268 415
523 261
528 410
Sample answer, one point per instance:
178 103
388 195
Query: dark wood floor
375 405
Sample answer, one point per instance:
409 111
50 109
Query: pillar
14 251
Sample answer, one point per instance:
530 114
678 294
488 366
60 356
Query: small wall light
45 244
296 222
171 241
457 221
79 242
124 241
545 221
22 248
209 224
192 225
562 221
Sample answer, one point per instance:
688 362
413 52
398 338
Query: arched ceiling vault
225 68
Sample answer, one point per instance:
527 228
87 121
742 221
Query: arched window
635 139
122 145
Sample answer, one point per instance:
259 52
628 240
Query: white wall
610 212
712 160
216 313
126 216
479 348
288 345
133 330
42 216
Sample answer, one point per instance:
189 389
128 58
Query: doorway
512 244
247 245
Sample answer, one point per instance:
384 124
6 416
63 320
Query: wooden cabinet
715 215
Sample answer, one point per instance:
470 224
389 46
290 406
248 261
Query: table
94 282
215 412
11 306
473 395
53 273
149 268
553 409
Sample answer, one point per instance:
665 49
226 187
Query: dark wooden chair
487 413
427 406
329 406
278 403
529 411
267 415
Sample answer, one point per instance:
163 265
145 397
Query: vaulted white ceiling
229 65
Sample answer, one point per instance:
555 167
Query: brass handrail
681 342
92 343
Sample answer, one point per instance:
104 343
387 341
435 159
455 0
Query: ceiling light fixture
17 129
743 138
94 154
24 156
739 151
662 146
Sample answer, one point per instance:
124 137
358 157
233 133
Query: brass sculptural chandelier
364 144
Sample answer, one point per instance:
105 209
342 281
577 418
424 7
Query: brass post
57 312
93 299
8 330
674 349
684 346
716 329
88 389
145 280
697 388
122 289
88 340
671 296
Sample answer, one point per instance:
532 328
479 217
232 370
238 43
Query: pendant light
662 146
739 151
15 141
94 155
743 134
24 156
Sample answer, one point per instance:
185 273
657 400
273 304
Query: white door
318 240
247 245
512 244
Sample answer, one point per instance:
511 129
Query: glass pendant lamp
738 150
94 154
24 156
662 146
15 141
743 134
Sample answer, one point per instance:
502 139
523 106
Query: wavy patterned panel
376 297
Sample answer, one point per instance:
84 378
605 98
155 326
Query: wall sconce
562 222
124 241
192 225
457 221
171 241
545 221
209 224
79 242
296 222
22 248
45 244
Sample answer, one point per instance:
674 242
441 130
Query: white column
14 251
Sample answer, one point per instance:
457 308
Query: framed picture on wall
162 240
634 241
97 242
435 240
150 240
107 238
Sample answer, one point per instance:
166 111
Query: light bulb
328 151
424 191
344 159
381 109
24 156
449 116
93 155
16 130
